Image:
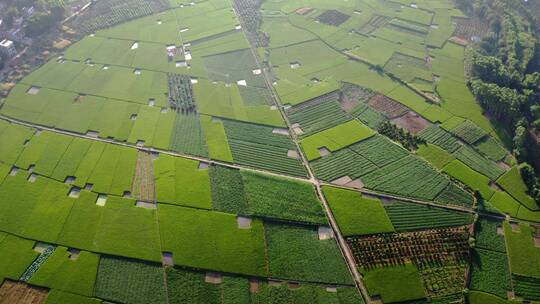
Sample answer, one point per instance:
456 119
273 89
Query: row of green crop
406 217
103 15
439 137
266 157
320 115
256 134
188 136
469 132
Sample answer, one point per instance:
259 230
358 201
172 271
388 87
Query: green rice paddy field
230 152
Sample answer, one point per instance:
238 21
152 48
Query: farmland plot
194 236
182 181
115 12
282 198
188 136
318 114
408 176
260 147
479 163
409 217
300 243
357 215
124 280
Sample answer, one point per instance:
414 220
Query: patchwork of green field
172 76
50 214
355 214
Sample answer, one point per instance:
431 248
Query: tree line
504 74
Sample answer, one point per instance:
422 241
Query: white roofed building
7 48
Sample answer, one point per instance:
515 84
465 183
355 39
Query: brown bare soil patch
20 293
304 11
387 106
411 122
62 44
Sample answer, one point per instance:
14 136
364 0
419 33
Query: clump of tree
532 182
505 69
44 20
406 139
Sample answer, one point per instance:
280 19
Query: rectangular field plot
408 176
524 257
130 281
409 217
202 20
260 147
469 132
111 173
195 236
335 138
234 66
455 195
228 193
63 271
527 287
117 228
318 114
281 198
395 283
216 139
307 258
490 272
217 99
188 136
180 181
357 215
439 137
359 159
